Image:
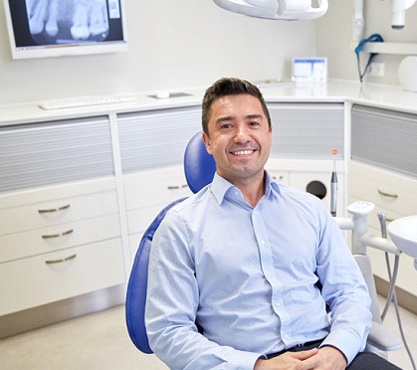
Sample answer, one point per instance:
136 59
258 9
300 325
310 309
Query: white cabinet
60 234
42 279
152 148
394 195
384 171
307 130
146 194
305 137
154 139
41 154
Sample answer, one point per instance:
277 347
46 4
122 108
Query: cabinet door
156 138
385 138
55 152
307 131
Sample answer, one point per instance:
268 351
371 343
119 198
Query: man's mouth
243 152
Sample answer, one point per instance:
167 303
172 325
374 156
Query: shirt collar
220 187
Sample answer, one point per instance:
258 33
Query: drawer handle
52 210
176 187
53 236
387 194
62 260
278 177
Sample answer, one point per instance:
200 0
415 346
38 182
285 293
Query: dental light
288 10
398 8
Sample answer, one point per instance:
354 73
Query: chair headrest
199 165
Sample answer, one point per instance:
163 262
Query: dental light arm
289 10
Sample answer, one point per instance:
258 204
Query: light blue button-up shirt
258 279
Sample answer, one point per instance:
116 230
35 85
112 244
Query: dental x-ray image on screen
55 21
36 25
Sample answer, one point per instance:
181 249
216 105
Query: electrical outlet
377 69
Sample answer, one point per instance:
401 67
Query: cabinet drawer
56 212
392 192
59 237
145 190
60 275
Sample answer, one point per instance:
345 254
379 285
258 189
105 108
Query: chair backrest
137 285
199 168
199 165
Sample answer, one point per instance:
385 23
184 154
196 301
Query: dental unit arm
289 10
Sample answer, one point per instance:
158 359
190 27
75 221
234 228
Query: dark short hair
229 86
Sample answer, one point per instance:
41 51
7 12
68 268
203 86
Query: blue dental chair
196 158
199 168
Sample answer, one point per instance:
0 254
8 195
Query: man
242 275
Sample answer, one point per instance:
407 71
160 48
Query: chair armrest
383 338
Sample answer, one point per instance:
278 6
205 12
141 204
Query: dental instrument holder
358 224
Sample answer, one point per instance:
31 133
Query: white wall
173 44
335 30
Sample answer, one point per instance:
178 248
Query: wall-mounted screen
50 28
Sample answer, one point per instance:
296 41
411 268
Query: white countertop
376 95
380 96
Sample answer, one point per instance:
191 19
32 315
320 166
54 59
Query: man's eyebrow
224 119
230 118
254 116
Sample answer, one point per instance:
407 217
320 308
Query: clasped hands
325 358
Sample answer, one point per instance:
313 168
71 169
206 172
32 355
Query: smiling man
239 135
243 273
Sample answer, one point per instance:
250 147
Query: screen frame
76 49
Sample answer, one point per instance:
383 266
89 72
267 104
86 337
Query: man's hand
325 358
328 358
286 361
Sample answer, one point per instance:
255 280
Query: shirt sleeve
344 290
172 303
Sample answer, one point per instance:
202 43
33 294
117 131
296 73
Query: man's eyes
226 126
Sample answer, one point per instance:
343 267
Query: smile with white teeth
243 152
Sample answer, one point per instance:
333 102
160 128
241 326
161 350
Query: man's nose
242 134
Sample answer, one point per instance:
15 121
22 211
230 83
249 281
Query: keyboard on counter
86 101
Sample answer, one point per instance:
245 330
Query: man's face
239 137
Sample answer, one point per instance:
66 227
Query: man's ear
206 141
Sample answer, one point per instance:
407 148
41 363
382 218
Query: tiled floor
100 341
